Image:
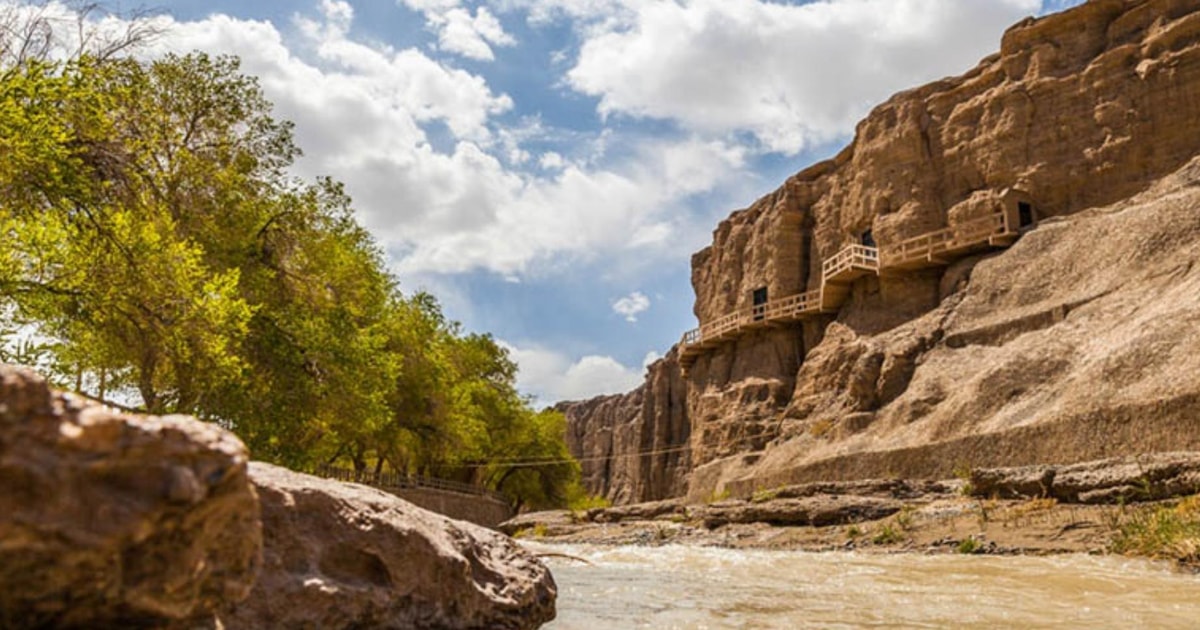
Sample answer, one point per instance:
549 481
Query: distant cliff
1079 341
634 447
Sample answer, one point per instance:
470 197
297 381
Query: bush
1165 531
887 535
578 500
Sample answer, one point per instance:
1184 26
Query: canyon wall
634 447
1084 109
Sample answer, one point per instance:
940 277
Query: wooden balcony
850 264
838 273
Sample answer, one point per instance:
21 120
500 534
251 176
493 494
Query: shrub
887 535
716 496
1165 531
762 496
585 502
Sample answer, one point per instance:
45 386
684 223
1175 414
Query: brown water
681 587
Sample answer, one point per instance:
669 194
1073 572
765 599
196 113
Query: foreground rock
110 520
1120 480
342 555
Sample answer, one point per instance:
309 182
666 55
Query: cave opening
759 301
1024 214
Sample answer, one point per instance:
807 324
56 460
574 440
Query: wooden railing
924 248
793 306
386 480
966 234
851 257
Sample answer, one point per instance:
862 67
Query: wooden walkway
838 273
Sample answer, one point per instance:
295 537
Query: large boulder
115 520
340 555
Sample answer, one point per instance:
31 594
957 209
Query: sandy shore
1036 526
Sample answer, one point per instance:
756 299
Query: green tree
152 232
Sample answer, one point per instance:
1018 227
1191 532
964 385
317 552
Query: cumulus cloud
650 358
460 31
448 188
631 306
791 75
550 376
363 114
551 161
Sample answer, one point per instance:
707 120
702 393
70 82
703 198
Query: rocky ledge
118 520
1033 509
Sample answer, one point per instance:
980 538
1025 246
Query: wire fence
386 480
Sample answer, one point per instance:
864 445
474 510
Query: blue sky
547 167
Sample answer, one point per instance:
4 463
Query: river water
687 587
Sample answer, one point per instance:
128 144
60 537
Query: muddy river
688 587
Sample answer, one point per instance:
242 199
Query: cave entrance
759 301
867 239
1024 214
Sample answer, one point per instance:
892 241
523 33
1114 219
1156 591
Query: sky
546 168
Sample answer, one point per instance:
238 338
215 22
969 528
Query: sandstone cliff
609 434
1075 343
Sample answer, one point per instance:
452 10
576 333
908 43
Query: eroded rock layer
1078 342
634 447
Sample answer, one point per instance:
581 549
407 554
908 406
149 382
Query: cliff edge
1077 342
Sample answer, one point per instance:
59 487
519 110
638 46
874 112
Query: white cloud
448 188
362 114
631 306
791 75
338 12
470 35
461 32
650 358
550 376
552 161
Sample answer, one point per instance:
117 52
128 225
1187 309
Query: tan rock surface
339 555
1120 480
113 520
1077 343
1057 351
819 510
608 433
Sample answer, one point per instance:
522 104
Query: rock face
608 433
108 520
1120 480
815 511
1079 342
340 555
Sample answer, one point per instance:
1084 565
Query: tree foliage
151 232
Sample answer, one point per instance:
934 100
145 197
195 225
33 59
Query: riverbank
1134 506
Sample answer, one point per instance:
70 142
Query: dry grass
820 428
1169 531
